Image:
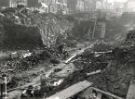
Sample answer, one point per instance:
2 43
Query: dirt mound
102 46
2 32
117 70
15 68
51 27
25 64
22 36
127 18
82 30
115 78
79 75
23 30
130 38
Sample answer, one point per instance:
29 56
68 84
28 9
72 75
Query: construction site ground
106 60
33 76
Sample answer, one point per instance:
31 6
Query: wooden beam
93 33
93 73
71 91
78 53
107 93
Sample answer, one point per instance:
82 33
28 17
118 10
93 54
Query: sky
117 0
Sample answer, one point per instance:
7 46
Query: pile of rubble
2 36
26 30
117 69
102 46
33 30
29 62
15 67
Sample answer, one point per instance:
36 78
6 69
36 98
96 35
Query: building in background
104 5
15 3
48 5
61 5
80 6
110 6
89 5
32 3
75 6
118 6
52 6
99 5
71 5
44 5
4 3
129 6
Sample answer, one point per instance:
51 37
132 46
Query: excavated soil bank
117 68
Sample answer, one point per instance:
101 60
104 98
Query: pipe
106 93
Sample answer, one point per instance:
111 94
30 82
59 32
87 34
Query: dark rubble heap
14 67
117 68
2 32
34 30
23 30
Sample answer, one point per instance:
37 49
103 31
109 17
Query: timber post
4 87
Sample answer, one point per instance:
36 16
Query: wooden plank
131 90
86 93
93 33
107 93
78 53
72 90
93 73
71 57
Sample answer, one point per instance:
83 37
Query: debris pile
27 63
102 46
34 30
127 18
20 30
130 38
51 27
116 71
14 68
2 32
48 29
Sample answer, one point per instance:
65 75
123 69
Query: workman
37 91
61 48
28 92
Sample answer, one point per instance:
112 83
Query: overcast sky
117 0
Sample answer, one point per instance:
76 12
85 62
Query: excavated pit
37 30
